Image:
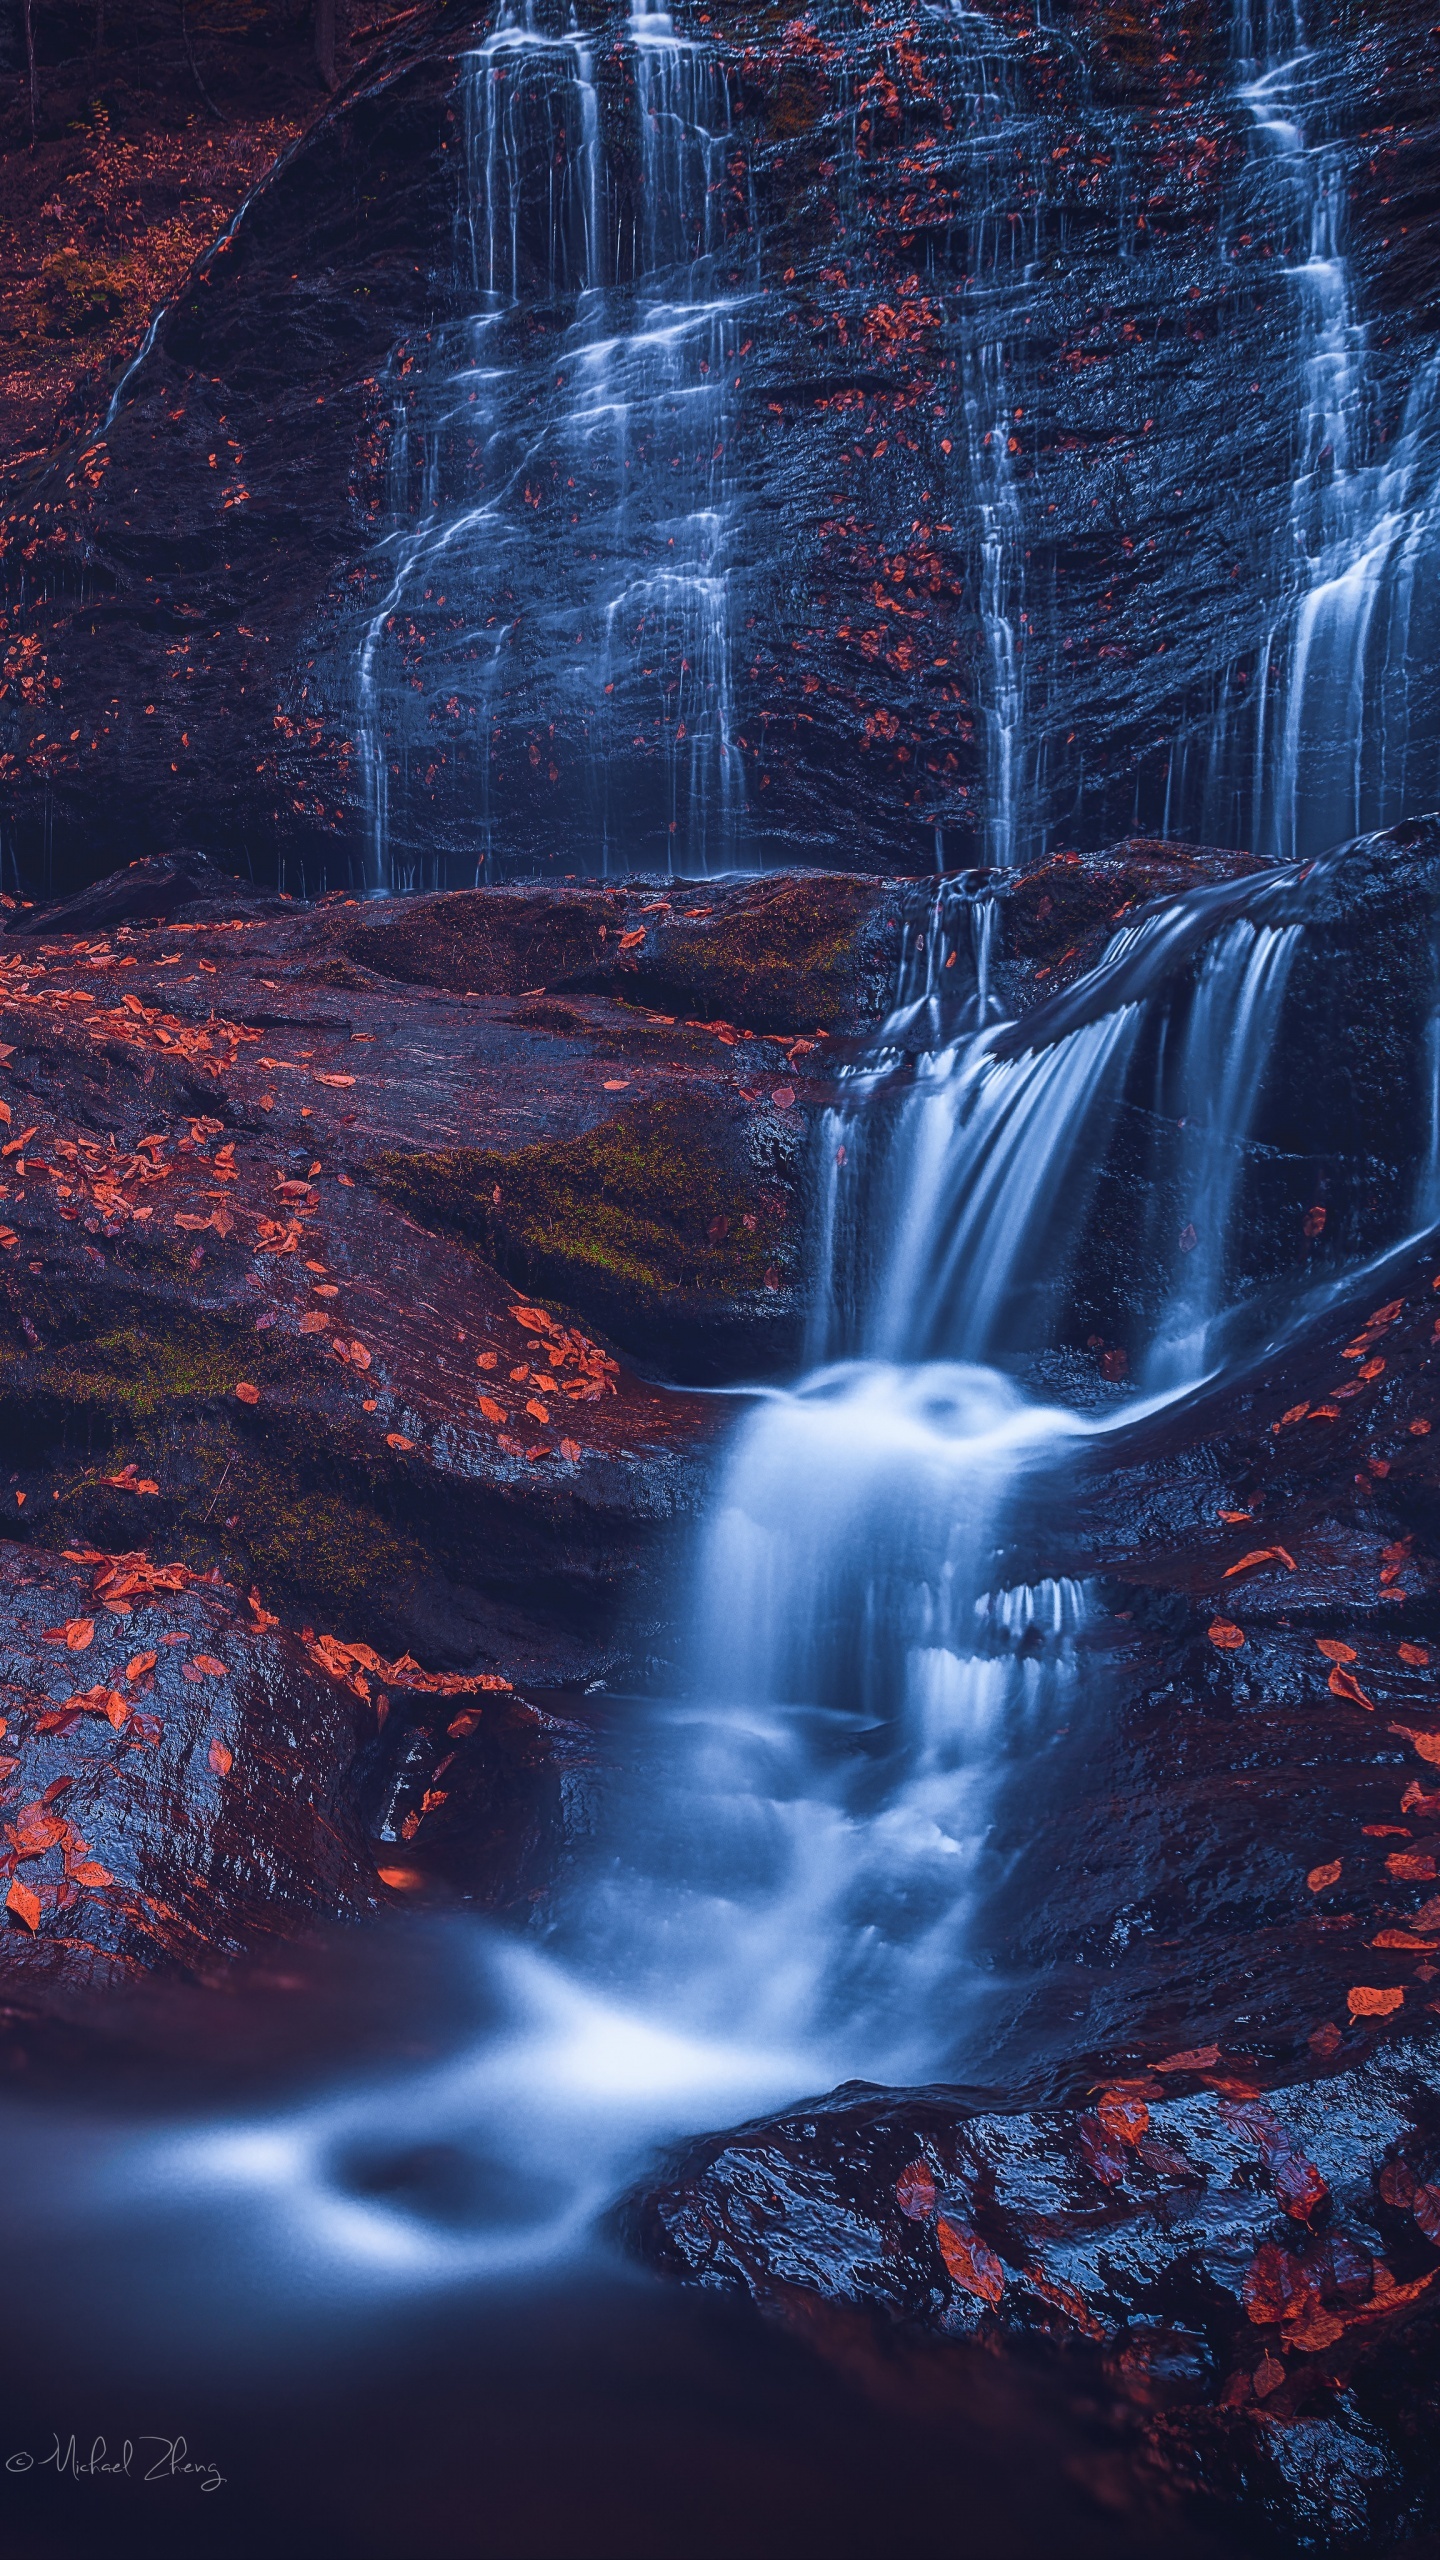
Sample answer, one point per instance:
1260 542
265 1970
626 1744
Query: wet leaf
570 1451
315 1322
213 1668
1398 2184
222 1759
1334 1650
1315 1221
397 1440
1325 2040
139 1664
1320 1878
1416 1654
75 1634
1343 1684
247 1393
915 2191
540 1411
1261 1555
1366 2001
1225 1634
89 1872
1276 2286
24 1904
1270 2372
332 1080
492 1411
1298 2184
1426 2209
1200 2057
401 1879
1124 2117
968 2262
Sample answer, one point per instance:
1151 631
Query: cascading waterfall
630 273
1337 733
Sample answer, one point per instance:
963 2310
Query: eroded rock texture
851 421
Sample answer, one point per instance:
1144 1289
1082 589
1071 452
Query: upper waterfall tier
630 437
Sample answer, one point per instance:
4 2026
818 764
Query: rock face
177 1774
779 441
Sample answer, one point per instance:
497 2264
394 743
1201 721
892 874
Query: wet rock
152 891
176 1775
1246 2276
206 599
328 1397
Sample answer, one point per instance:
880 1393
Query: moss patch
655 1210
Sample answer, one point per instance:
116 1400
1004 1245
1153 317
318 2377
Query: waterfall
1337 733
584 401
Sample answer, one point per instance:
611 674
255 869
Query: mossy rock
487 942
661 1226
796 951
799 952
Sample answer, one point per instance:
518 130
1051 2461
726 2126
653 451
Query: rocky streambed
366 1275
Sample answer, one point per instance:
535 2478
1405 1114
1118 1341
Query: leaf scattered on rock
1366 2001
247 1393
1225 1634
968 2262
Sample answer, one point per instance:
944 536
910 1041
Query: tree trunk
194 65
325 43
99 26
30 71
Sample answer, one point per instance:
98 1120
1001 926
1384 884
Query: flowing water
1335 733
630 275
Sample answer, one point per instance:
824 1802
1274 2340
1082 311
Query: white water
634 420
1336 734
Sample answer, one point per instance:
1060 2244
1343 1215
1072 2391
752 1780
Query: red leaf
968 2262
1299 2185
915 2191
24 1903
1227 1636
1343 1684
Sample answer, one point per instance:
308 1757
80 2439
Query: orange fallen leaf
214 1669
1320 1877
1371 1369
915 2191
1414 1653
1343 1684
540 1411
968 2262
1367 2002
401 1879
487 1359
1260 1555
1404 1938
1418 1430
139 1664
570 1451
247 1393
397 1440
1227 1636
24 1903
1201 2057
1411 1866
1334 1650
617 1084
75 1634
222 1759
492 1411
1126 2118
336 1080
90 1872
315 1322
629 940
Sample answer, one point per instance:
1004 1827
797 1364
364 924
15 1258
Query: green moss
801 954
649 1206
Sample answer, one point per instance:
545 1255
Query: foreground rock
176 1775
1252 2282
